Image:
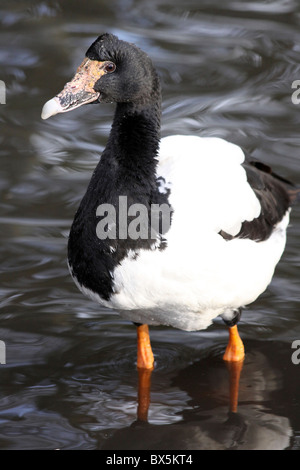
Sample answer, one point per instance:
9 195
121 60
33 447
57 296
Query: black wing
275 195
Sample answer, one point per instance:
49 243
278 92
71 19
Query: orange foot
235 348
145 358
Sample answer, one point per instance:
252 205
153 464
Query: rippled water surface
70 380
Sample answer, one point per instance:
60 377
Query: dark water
70 381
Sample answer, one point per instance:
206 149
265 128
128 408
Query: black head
131 76
113 71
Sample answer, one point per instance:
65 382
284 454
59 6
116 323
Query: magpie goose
173 231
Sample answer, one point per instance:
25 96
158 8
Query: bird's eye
110 67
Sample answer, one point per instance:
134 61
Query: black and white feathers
228 219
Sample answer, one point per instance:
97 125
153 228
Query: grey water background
70 380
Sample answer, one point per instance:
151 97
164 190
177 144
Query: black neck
133 142
127 168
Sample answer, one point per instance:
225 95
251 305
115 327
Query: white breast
199 275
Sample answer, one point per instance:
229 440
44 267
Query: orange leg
235 349
144 394
145 358
234 369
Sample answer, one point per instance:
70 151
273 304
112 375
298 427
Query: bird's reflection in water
144 393
230 408
144 389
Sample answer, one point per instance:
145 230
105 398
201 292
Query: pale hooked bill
51 108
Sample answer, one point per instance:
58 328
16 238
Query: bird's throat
134 140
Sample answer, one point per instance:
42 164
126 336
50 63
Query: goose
172 231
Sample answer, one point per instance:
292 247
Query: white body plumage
199 275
